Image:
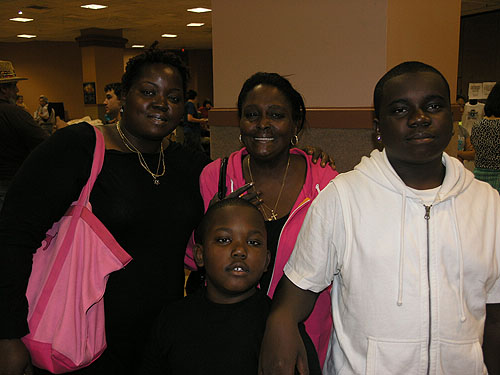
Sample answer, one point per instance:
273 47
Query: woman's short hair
400 69
285 87
492 107
149 57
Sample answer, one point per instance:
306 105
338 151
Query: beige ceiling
142 22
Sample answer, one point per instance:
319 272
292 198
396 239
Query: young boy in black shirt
219 330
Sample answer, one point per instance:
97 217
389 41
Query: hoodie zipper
427 217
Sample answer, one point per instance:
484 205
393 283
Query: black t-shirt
196 336
152 223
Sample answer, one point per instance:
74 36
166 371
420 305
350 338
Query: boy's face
234 254
415 118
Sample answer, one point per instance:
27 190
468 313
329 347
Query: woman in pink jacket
272 116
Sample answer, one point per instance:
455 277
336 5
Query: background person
486 141
412 265
112 102
19 133
130 197
272 115
44 115
203 110
192 123
20 102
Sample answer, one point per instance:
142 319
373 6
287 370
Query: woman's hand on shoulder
252 197
14 358
317 153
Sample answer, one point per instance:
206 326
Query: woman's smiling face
415 118
154 105
266 123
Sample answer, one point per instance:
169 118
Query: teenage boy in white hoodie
410 241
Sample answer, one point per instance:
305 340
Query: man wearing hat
19 133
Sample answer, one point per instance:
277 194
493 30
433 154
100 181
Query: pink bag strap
96 168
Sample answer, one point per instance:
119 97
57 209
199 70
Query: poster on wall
89 93
487 87
475 90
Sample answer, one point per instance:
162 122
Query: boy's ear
268 260
198 255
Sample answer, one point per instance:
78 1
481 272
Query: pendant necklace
142 161
273 214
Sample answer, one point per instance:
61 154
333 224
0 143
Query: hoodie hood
378 168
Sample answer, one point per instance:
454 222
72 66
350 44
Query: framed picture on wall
89 93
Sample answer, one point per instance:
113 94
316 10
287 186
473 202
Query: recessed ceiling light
94 6
199 10
28 36
138 46
21 19
169 35
20 12
195 24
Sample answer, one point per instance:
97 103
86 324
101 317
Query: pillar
102 63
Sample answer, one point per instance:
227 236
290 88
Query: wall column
102 63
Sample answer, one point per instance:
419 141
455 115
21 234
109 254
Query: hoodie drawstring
402 250
460 257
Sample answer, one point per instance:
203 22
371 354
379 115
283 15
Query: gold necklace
142 161
272 211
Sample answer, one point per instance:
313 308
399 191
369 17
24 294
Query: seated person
219 329
44 115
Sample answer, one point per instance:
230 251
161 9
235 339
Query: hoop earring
241 141
294 140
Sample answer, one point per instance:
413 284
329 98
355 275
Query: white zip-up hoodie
410 282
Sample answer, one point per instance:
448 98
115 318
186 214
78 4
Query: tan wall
52 68
332 51
427 31
55 69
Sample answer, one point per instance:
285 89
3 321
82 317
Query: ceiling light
169 35
199 10
94 6
138 46
195 24
20 12
21 19
28 36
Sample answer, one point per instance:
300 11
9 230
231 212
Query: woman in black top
147 195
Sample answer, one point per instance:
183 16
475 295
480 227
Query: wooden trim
340 118
318 118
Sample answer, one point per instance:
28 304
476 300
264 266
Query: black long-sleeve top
152 223
19 135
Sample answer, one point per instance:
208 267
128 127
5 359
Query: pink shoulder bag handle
67 283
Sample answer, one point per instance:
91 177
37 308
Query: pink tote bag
67 284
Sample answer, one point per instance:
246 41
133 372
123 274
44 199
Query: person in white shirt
408 240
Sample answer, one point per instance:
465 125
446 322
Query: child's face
415 118
234 254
